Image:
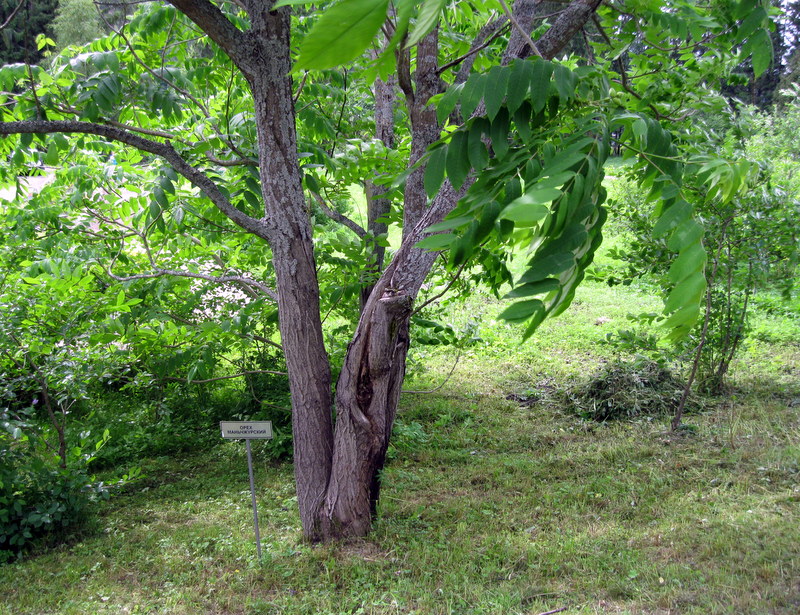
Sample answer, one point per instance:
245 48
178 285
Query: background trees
189 153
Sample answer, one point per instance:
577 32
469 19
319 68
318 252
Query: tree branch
219 29
520 30
8 21
217 279
164 150
239 375
569 23
340 218
484 38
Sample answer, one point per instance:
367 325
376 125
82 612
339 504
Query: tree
76 22
520 163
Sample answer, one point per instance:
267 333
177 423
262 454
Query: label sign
248 430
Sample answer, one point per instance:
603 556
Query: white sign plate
248 430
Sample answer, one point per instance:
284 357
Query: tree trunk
368 390
378 205
338 472
290 237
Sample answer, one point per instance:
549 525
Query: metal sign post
249 430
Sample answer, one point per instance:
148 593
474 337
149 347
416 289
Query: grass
490 505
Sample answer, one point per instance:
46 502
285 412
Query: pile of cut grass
625 390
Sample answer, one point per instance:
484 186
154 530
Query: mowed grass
489 505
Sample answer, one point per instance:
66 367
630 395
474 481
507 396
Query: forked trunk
366 403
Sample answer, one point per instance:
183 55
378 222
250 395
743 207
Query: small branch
39 113
441 294
239 375
501 27
241 162
336 216
518 27
6 23
554 611
225 279
444 382
300 87
142 131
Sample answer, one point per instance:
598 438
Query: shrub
40 496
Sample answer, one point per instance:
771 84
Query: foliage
192 199
506 509
751 235
18 40
38 495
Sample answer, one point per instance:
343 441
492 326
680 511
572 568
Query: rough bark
290 237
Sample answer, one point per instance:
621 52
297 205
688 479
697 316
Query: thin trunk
377 205
678 417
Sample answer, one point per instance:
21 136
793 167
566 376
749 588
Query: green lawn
489 505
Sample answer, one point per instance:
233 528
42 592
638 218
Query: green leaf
457 162
341 34
565 81
687 233
671 218
524 212
436 242
450 223
495 93
426 20
478 154
534 288
522 310
518 84
681 322
434 171
283 3
687 263
472 93
753 20
687 293
540 84
51 156
499 134
762 52
552 264
448 102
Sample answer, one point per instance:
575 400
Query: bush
38 496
